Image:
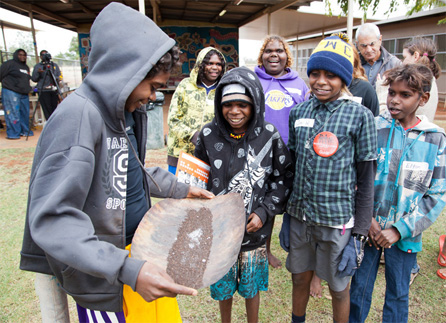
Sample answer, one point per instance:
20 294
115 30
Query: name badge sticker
407 165
308 123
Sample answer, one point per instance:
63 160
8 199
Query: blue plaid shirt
324 187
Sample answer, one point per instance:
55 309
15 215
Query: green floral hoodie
190 109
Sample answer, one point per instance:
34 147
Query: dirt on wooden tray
189 255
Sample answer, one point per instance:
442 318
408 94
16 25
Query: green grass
427 293
19 302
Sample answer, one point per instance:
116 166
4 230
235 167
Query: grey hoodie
75 226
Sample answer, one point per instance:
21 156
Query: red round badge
325 144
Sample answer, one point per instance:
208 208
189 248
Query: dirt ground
19 143
155 157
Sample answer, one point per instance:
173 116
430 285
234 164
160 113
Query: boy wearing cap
333 141
247 156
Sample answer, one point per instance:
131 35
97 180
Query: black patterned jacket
257 166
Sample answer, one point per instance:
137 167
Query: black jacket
15 76
258 166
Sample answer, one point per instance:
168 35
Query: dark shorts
319 249
248 276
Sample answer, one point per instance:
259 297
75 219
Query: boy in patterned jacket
248 156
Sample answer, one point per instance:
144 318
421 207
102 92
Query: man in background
43 73
374 57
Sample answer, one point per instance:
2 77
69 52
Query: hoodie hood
117 63
201 55
15 56
285 82
247 78
290 75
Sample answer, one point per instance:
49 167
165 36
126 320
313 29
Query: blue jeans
172 169
16 107
397 272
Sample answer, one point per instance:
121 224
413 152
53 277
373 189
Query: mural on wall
190 40
84 51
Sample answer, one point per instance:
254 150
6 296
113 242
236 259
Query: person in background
422 51
15 76
374 57
361 88
410 193
283 89
46 85
247 156
88 187
282 86
192 104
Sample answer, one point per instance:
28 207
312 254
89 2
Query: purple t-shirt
281 94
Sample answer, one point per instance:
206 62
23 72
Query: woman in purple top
282 86
283 89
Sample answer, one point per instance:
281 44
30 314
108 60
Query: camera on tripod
46 60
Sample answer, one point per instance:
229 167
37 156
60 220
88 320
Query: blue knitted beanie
334 55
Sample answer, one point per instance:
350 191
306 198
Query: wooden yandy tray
195 240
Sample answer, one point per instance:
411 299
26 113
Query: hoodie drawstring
386 163
137 157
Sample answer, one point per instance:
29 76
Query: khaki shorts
319 249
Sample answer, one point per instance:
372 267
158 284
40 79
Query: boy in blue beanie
333 142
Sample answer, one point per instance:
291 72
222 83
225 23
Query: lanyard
310 139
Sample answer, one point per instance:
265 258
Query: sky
250 48
54 39
57 40
319 7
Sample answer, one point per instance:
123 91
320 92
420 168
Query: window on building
293 55
389 45
302 60
441 50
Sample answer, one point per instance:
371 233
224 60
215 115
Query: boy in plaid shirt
333 142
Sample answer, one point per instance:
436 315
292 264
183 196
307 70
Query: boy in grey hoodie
80 186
